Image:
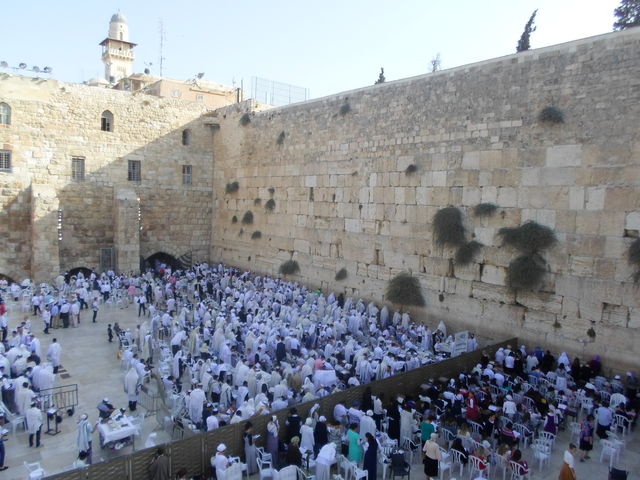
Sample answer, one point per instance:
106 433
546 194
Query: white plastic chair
34 470
548 437
616 399
542 453
501 462
609 450
478 465
621 422
265 469
456 460
518 471
445 463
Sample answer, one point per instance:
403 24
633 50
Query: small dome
118 17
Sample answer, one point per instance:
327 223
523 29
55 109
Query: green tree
381 78
627 15
524 42
405 290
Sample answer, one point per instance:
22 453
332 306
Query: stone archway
74 273
158 259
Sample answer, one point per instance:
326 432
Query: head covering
433 437
322 418
295 440
105 400
510 398
221 448
370 413
308 421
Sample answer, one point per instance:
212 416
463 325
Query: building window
133 171
199 97
5 161
106 122
186 174
77 169
175 93
5 114
186 137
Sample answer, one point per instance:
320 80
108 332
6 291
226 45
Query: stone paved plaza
91 363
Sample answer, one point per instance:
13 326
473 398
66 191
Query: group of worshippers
238 344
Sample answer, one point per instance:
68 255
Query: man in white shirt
53 354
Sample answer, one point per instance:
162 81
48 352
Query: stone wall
342 198
53 122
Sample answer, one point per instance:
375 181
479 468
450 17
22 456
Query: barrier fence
194 453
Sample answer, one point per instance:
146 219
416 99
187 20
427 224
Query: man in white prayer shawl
131 387
367 425
196 404
83 438
326 457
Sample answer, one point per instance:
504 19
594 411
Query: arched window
5 114
186 137
106 121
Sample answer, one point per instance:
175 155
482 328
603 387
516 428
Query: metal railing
63 397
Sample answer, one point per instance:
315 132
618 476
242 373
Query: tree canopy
627 15
524 43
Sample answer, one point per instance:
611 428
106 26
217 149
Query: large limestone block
540 301
492 293
564 156
494 275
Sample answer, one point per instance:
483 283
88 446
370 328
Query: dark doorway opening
160 260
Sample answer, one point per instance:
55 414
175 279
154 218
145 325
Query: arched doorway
74 273
160 260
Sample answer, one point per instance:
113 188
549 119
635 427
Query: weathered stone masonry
343 198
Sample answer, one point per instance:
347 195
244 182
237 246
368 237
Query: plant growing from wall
551 114
529 237
247 218
411 169
257 201
272 191
634 258
232 187
280 139
591 333
527 270
241 232
345 108
524 43
290 267
341 274
234 219
245 119
467 251
447 227
405 290
256 235
270 205
485 209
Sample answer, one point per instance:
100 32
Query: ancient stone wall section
53 122
336 169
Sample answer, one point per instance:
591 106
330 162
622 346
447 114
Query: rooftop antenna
162 39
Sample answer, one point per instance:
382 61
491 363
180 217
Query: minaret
117 50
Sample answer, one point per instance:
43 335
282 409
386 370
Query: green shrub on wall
289 267
526 272
467 251
551 114
341 274
270 205
405 290
232 187
485 209
280 139
247 218
255 235
257 201
447 227
529 237
411 169
234 219
245 119
345 108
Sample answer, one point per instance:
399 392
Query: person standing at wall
95 307
53 354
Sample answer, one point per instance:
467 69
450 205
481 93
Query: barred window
186 137
5 114
77 169
186 174
5 161
133 171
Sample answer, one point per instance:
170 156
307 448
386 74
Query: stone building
353 181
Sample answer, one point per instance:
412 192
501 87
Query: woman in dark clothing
293 425
575 370
457 446
371 457
367 401
294 455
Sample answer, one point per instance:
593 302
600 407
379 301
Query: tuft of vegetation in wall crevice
256 235
405 290
485 209
232 187
270 205
411 169
467 252
341 274
448 228
245 119
551 115
345 108
281 137
290 267
247 218
234 219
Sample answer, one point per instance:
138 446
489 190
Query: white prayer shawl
131 384
83 437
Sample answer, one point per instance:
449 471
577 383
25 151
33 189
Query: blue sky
326 46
